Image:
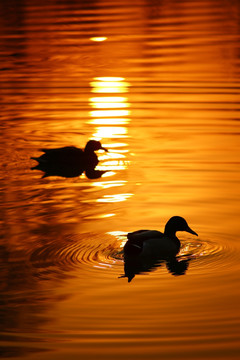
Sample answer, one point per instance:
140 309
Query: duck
146 250
156 244
70 161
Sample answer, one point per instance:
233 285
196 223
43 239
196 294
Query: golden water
158 83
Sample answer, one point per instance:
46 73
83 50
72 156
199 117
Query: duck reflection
139 265
70 161
146 250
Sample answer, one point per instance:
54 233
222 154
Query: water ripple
210 255
78 253
204 255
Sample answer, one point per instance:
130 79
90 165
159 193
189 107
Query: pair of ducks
142 244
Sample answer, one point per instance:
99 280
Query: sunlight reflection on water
158 83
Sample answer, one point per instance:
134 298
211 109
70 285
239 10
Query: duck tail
34 158
40 160
129 277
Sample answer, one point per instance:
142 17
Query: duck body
155 243
64 155
151 243
70 161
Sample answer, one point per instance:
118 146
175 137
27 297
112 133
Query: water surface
158 83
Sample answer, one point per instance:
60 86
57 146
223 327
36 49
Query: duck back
65 155
151 243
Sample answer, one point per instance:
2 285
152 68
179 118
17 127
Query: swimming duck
70 161
146 250
156 244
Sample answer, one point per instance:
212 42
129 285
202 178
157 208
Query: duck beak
189 230
103 148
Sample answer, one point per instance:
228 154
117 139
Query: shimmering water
158 83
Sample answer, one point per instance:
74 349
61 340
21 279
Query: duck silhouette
147 249
70 161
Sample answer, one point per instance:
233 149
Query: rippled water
158 83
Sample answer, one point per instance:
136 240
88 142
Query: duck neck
171 234
169 231
88 149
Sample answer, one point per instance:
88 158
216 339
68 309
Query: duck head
93 145
177 223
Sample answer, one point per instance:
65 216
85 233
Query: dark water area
157 82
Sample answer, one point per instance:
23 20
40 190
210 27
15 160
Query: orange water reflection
98 38
181 59
110 117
